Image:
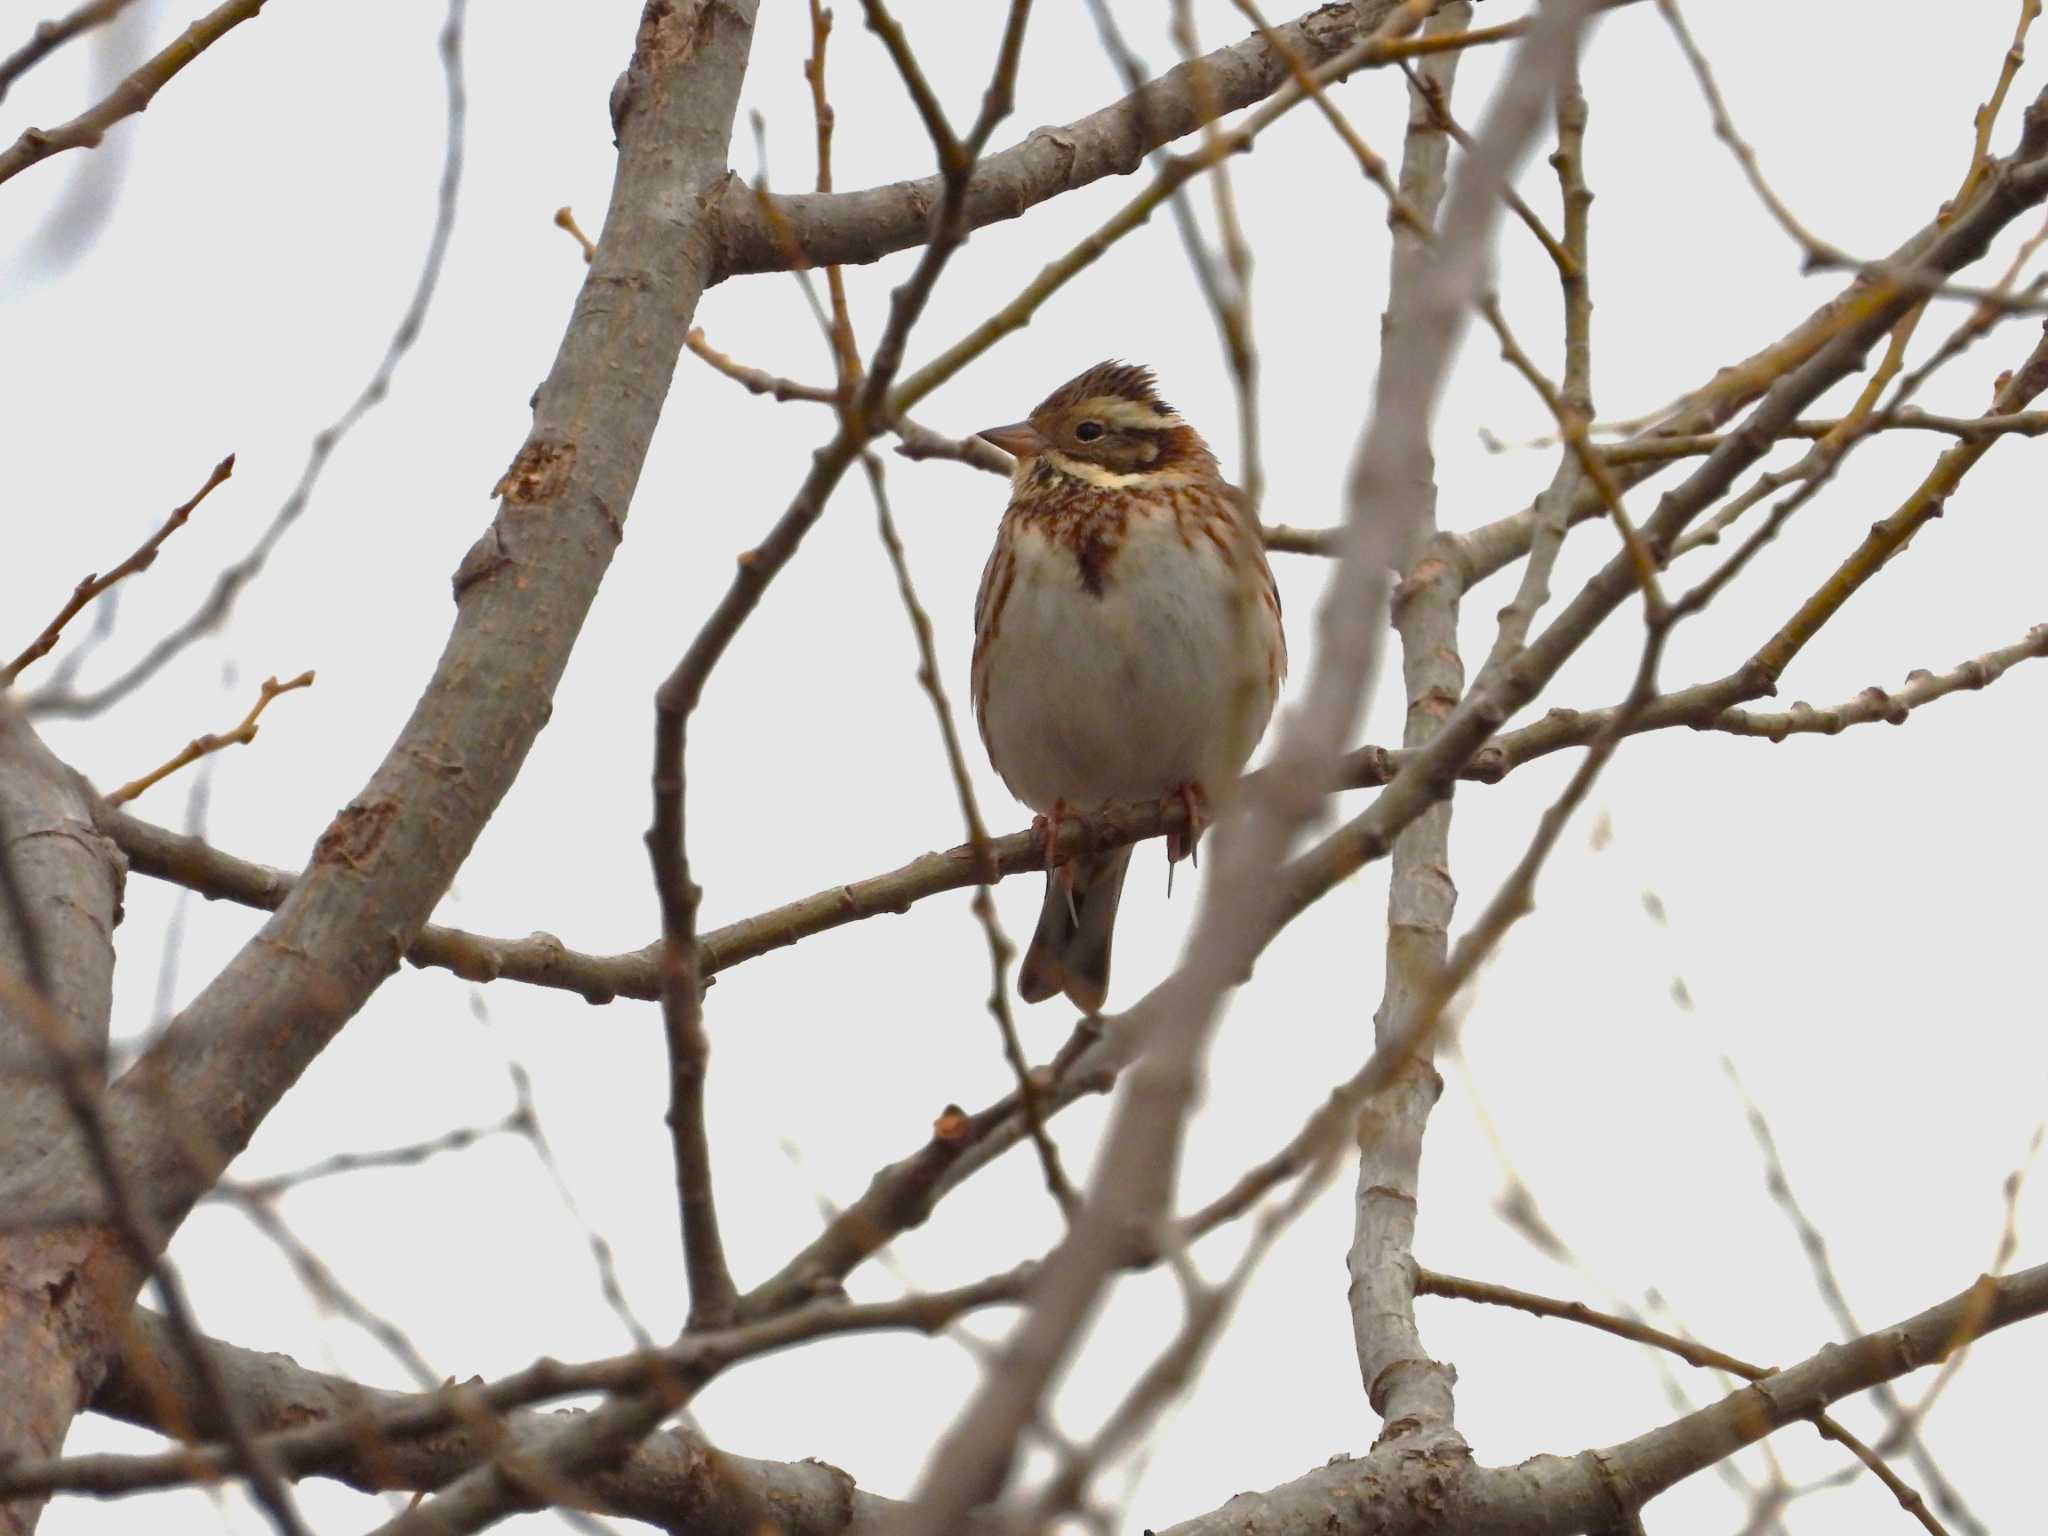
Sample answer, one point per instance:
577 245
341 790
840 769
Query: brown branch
543 960
1888 537
756 380
336 1428
129 97
1175 172
1174 1023
953 158
1428 1283
2020 183
1384 1493
214 610
92 586
565 218
485 1494
60 891
201 746
129 1246
207 1082
315 1424
914 441
1000 950
49 36
777 233
713 1294
349 1433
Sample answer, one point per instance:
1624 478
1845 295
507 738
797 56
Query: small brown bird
1127 642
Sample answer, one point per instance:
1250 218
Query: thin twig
676 700
200 746
49 36
1429 1283
129 97
215 608
565 218
92 586
1175 1022
543 960
1000 950
1017 313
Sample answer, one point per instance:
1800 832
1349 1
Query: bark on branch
816 229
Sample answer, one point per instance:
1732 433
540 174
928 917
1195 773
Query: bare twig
1012 316
49 36
1411 1392
565 218
1000 950
129 97
914 441
756 380
1384 1492
92 586
778 233
1903 1429
1137 1167
676 699
214 610
2021 182
543 960
1428 1283
1886 538
200 746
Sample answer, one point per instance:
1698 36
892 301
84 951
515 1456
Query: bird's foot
1181 841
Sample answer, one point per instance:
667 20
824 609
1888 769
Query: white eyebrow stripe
1110 480
1136 414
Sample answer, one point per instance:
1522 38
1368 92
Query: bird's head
1108 427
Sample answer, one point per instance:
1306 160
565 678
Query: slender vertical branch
1411 1392
861 418
1174 1023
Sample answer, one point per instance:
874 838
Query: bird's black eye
1088 431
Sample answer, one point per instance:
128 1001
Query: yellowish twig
565 218
132 95
203 746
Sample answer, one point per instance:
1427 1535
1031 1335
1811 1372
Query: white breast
1163 679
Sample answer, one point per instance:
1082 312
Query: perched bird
1127 642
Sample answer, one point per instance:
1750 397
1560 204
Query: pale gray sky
1856 919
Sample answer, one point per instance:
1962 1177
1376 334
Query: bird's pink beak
1021 440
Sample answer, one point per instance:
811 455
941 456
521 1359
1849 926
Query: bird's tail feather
1070 951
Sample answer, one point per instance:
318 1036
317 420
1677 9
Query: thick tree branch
828 229
193 1100
63 897
1389 1494
1689 1350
